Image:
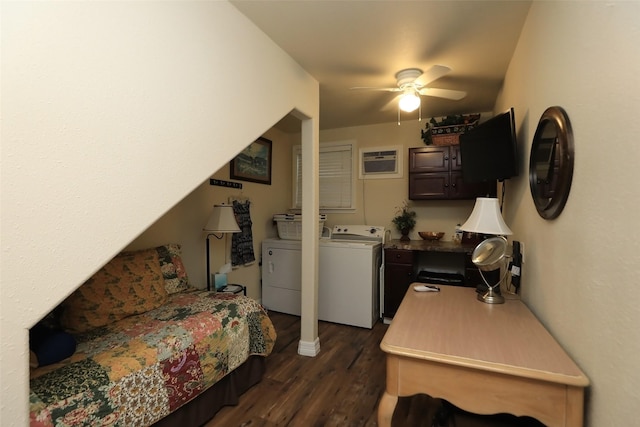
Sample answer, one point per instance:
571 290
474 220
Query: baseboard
307 348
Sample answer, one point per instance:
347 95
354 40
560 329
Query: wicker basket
446 139
450 135
290 226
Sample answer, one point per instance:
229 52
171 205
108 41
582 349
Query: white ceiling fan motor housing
408 76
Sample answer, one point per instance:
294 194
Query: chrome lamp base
491 297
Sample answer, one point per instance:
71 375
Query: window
337 185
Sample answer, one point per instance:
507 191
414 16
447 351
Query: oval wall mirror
551 162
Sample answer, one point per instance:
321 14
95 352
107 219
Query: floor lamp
489 254
222 220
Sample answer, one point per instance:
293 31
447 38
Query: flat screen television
488 151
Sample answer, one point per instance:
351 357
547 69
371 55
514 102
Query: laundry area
350 265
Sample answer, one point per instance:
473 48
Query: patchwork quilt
141 368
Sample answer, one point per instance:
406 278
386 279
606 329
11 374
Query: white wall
377 200
581 270
99 100
183 223
112 112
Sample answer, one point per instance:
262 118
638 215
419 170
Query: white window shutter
336 176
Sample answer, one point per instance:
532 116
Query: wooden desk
483 358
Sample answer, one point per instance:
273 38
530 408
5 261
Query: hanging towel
242 242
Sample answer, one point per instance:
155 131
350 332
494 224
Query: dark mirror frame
555 162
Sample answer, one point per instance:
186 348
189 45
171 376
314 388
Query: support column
309 344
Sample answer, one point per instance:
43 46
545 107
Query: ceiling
345 44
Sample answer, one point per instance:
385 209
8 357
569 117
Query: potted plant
404 221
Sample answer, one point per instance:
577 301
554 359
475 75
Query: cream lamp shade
409 101
486 218
222 220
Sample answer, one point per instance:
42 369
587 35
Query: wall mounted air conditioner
381 162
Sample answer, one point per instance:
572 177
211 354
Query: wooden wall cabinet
435 173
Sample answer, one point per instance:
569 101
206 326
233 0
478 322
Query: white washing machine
348 280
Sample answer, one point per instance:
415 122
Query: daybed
150 348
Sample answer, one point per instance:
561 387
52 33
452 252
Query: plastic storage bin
290 225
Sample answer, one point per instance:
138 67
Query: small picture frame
253 164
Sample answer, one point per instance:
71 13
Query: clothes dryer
282 275
350 270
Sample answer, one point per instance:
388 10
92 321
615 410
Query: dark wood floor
341 386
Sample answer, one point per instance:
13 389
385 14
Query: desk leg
574 407
385 409
389 399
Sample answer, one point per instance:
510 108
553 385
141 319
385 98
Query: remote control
426 288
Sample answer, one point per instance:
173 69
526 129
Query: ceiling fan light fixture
409 101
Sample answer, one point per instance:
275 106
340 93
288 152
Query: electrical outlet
522 251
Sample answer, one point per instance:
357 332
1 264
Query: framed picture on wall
253 164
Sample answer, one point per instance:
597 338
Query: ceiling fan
412 83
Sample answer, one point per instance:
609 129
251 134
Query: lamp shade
409 101
222 220
486 218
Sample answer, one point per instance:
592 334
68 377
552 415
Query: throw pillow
48 346
175 275
131 283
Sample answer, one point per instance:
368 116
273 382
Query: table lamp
489 254
222 220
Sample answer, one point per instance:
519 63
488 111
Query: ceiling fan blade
392 104
382 89
455 95
433 73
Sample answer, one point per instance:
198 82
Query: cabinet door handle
446 157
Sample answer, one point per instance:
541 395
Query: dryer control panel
357 232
